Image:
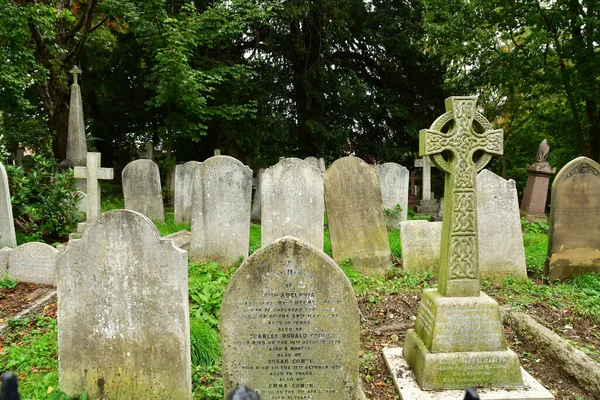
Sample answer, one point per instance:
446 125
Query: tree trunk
58 123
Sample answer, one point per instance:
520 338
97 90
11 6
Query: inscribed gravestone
184 179
290 325
33 263
7 227
421 241
292 202
221 211
501 249
458 340
574 236
393 179
141 189
123 311
355 215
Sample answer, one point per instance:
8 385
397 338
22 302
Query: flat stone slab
409 389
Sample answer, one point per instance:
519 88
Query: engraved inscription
469 327
464 372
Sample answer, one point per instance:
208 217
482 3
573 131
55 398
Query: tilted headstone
574 235
501 248
255 214
458 340
355 215
393 179
420 241
92 174
290 325
124 314
292 202
33 263
184 179
142 191
221 211
7 224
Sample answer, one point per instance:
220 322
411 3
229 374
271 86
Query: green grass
169 226
255 237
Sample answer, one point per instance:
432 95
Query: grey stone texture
124 313
574 235
4 252
142 191
221 211
421 242
501 248
34 263
184 179
92 173
7 224
290 325
76 140
318 163
292 202
393 179
426 164
256 202
355 215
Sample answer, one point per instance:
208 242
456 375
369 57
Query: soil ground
383 324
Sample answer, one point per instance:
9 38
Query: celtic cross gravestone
458 340
469 133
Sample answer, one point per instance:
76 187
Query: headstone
315 162
255 215
76 140
292 202
7 225
150 151
217 152
184 179
501 249
124 314
420 241
4 252
393 179
458 340
355 215
428 204
574 235
322 167
92 174
221 211
33 263
413 199
141 189
533 206
290 325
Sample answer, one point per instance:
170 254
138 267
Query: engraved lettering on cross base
459 272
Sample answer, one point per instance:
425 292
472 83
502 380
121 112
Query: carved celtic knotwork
462 258
584 168
463 213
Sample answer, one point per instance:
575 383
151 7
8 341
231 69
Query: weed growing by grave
112 202
207 383
255 238
205 346
7 282
169 226
536 251
207 283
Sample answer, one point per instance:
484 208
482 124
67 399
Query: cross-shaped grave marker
426 164
468 132
92 173
75 71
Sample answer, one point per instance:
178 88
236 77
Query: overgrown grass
169 226
255 237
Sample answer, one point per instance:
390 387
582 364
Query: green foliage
207 383
7 282
536 251
207 283
205 346
394 240
44 200
255 238
413 217
169 226
537 226
395 211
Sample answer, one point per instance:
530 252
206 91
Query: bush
43 200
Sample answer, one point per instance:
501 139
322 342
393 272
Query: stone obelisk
76 142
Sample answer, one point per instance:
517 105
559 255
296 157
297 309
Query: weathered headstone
141 189
76 140
318 163
458 340
421 241
221 211
428 204
290 325
533 205
393 179
4 252
255 214
292 202
574 236
501 249
7 225
33 263
124 313
92 174
355 215
184 179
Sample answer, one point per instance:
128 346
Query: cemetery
175 225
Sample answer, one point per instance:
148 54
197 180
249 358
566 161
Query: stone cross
468 133
426 164
75 71
217 152
92 173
